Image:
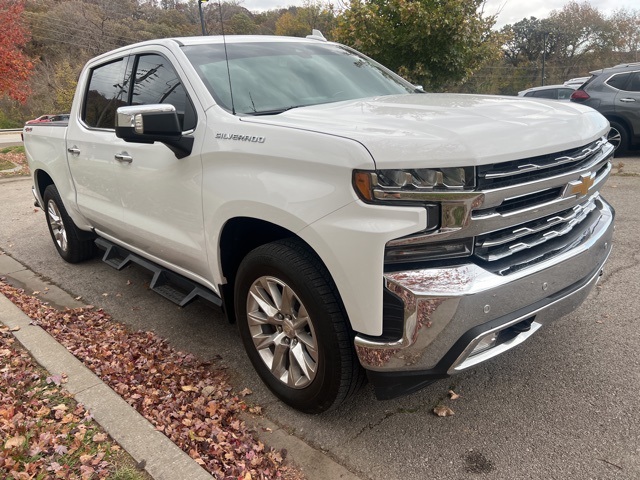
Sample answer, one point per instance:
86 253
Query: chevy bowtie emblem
580 187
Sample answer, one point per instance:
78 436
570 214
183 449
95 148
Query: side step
172 286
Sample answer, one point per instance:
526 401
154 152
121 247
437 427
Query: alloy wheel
282 332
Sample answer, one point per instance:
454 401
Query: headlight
446 193
394 185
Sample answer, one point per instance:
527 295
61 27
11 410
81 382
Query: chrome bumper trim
442 304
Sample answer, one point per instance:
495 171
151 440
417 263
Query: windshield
272 77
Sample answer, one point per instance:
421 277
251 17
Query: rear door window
565 93
619 81
548 93
634 83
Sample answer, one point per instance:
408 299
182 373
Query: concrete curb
161 457
11 170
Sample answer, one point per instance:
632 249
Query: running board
172 286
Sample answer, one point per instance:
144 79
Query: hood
425 130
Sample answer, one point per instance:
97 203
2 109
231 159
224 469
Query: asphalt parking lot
563 405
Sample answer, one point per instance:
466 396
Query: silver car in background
553 92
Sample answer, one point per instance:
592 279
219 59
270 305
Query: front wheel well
239 236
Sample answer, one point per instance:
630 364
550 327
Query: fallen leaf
14 329
443 411
61 449
189 388
57 379
208 391
14 442
246 392
453 395
99 437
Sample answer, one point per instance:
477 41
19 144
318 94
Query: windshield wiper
274 111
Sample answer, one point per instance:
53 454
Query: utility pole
544 52
201 17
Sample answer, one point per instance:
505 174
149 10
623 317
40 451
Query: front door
161 195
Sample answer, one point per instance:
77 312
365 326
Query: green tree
292 25
436 43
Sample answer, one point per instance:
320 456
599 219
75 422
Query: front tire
294 327
67 238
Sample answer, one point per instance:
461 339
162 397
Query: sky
510 11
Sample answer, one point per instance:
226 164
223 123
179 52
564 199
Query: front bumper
448 312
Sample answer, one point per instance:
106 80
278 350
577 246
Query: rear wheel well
43 180
239 236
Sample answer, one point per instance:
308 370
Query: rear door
92 144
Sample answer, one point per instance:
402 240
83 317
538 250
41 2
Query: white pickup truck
353 225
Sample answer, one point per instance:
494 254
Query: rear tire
294 327
67 238
619 138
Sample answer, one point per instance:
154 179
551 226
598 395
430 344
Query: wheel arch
238 237
42 180
622 121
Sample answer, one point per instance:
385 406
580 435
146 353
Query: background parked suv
615 93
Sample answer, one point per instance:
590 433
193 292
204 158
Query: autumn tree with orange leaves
15 66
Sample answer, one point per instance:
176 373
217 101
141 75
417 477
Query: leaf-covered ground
187 400
44 432
13 157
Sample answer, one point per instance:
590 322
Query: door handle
124 157
74 150
627 100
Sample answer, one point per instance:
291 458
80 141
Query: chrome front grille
537 208
504 243
499 175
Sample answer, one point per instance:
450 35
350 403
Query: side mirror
153 123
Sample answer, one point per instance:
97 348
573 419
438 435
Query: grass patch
16 149
44 433
6 164
11 157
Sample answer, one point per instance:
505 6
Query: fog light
485 344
